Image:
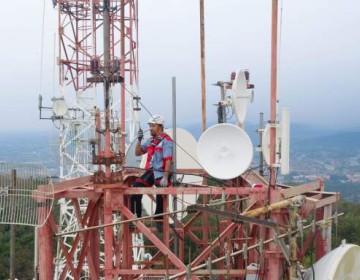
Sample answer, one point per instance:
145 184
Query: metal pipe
223 106
176 239
202 55
106 24
273 91
122 73
121 222
273 263
277 205
36 254
107 215
174 125
12 232
261 157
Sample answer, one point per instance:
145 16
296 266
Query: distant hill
344 141
332 154
302 137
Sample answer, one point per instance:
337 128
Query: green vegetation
24 252
348 226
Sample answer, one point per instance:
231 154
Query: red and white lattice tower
260 224
80 51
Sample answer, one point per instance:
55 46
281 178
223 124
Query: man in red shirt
159 150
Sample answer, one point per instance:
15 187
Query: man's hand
163 182
140 135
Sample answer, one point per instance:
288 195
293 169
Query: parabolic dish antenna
240 96
341 263
59 107
225 151
185 159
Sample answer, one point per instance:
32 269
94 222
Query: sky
319 59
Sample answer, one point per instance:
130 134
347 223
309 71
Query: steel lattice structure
224 248
80 49
244 226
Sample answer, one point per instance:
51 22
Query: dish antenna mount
242 91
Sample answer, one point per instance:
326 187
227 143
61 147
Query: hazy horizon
318 71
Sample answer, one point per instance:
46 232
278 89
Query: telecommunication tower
81 55
255 232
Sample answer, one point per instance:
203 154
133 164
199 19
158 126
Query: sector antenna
266 144
282 150
225 151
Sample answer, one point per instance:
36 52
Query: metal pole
273 97
106 28
12 233
36 256
223 106
122 73
273 263
108 233
176 240
202 51
261 157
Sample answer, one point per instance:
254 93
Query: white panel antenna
265 145
285 142
26 194
282 143
241 96
225 151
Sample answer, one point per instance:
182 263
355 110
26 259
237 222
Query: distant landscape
333 155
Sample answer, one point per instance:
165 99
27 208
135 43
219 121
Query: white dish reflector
59 107
225 151
240 96
341 263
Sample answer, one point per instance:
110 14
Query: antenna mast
202 51
273 97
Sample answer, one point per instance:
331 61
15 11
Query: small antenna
242 92
285 142
265 146
282 143
59 107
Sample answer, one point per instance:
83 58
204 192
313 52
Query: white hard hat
156 119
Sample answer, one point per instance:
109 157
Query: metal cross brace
237 218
